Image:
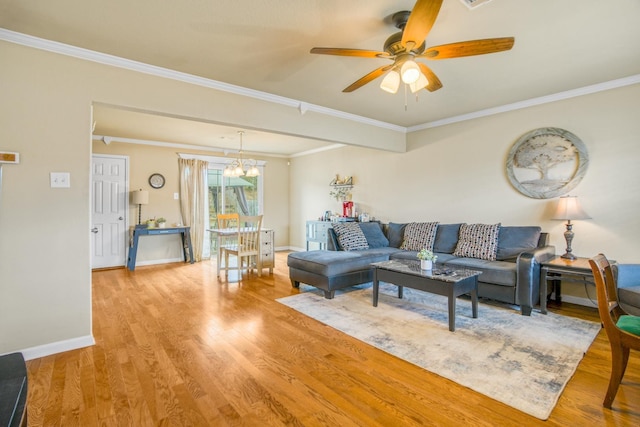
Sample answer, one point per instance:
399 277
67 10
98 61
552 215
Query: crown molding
109 139
586 90
115 61
302 107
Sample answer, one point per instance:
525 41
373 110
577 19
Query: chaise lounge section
13 390
511 273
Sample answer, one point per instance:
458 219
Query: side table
557 270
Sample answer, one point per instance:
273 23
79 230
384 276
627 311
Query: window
243 195
240 195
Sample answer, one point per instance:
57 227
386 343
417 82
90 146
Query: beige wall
456 173
45 115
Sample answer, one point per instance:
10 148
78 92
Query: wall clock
547 162
156 180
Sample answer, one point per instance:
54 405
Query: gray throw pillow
446 238
374 235
350 236
396 234
514 240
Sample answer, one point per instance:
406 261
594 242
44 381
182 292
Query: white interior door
109 207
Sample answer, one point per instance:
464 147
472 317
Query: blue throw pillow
374 235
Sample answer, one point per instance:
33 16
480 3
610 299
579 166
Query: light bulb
391 82
410 72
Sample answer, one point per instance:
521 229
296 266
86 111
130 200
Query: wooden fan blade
434 82
469 48
369 77
349 52
420 21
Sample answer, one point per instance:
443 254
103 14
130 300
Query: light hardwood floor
175 346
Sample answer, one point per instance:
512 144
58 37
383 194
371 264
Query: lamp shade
140 197
569 208
253 171
391 82
419 84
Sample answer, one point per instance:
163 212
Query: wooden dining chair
223 240
623 330
247 245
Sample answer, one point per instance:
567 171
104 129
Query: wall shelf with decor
341 187
346 186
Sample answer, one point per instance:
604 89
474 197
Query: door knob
121 218
94 230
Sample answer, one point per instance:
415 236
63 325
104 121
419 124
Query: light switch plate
60 180
176 196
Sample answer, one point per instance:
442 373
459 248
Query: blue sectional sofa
511 274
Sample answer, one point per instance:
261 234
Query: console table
144 231
557 270
317 232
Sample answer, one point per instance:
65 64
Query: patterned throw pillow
478 241
350 236
419 235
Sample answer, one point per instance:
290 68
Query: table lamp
140 198
569 208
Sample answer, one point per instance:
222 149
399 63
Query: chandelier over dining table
241 167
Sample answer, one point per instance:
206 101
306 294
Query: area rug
524 362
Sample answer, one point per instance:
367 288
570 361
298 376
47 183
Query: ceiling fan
409 44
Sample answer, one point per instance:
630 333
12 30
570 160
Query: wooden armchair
622 329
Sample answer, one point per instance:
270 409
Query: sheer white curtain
193 200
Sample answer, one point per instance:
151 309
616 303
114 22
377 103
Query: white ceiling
264 45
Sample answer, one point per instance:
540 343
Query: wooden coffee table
447 281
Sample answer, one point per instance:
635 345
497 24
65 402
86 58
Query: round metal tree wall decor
547 163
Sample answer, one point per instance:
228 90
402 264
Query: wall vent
472 4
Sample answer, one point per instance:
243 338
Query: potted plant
427 258
161 222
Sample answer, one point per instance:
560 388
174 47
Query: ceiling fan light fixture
391 82
421 83
410 72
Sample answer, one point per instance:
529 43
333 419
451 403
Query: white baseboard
159 261
57 347
578 300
